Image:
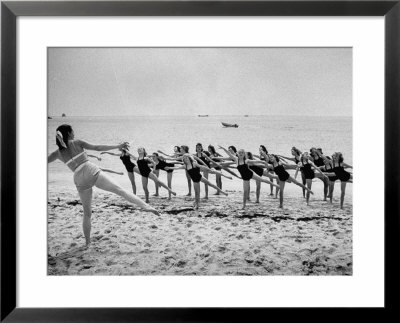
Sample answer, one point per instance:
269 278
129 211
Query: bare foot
155 194
174 194
216 193
205 198
280 206
257 201
226 194
188 194
154 211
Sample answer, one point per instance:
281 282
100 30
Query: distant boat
226 125
203 115
246 115
49 118
63 115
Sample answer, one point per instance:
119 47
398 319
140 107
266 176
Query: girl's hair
199 145
144 151
340 157
212 148
233 148
320 150
244 155
178 148
250 155
276 157
155 154
264 149
65 130
296 150
185 149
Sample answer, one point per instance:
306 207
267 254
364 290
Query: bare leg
105 183
156 173
331 187
258 189
111 171
325 181
292 180
132 179
189 183
218 181
196 187
272 188
154 177
309 184
303 179
169 179
231 172
205 175
145 181
204 180
281 188
86 199
343 191
246 190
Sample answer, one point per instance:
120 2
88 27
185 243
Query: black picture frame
10 10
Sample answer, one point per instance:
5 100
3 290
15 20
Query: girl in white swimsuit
86 174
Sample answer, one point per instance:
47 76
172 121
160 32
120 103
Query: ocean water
277 133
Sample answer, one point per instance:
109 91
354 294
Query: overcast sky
192 81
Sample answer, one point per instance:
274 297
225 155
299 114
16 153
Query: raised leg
206 181
157 186
154 178
105 183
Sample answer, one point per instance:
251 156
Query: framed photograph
204 159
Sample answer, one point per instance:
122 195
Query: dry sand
218 239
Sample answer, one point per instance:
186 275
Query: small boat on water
226 125
203 115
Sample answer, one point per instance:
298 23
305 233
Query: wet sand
218 239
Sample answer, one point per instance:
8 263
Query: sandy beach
218 239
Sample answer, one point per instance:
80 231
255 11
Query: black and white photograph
200 161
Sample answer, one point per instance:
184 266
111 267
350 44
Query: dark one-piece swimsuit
257 169
341 173
194 173
126 160
330 170
144 168
205 161
281 172
245 171
162 164
308 172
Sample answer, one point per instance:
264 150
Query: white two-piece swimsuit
85 172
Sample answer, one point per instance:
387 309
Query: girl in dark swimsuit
278 167
296 153
193 169
344 176
328 170
318 159
145 171
159 163
201 157
131 168
247 174
263 150
258 171
309 172
213 155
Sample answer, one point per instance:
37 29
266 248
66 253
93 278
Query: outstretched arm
89 146
213 171
160 152
317 169
287 158
174 168
233 157
93 156
53 156
347 165
109 153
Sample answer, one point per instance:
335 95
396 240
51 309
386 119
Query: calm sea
277 133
